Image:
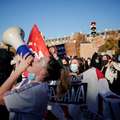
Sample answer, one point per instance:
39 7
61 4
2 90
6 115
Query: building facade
84 45
80 44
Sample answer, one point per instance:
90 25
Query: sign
75 95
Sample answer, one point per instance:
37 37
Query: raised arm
22 66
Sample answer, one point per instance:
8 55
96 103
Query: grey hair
43 61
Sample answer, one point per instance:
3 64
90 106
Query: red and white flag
37 44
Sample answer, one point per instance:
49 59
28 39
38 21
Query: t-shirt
28 102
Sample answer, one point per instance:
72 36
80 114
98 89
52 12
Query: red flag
36 43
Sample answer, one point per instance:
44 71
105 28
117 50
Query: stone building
9 48
84 45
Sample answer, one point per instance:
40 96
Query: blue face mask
74 68
31 76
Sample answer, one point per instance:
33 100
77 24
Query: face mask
97 61
31 76
74 68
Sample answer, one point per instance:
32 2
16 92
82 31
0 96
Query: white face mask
31 76
97 61
74 68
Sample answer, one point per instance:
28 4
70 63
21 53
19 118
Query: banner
75 95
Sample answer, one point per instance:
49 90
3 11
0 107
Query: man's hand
23 63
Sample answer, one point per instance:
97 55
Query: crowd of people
28 98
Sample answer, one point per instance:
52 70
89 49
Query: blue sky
56 18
